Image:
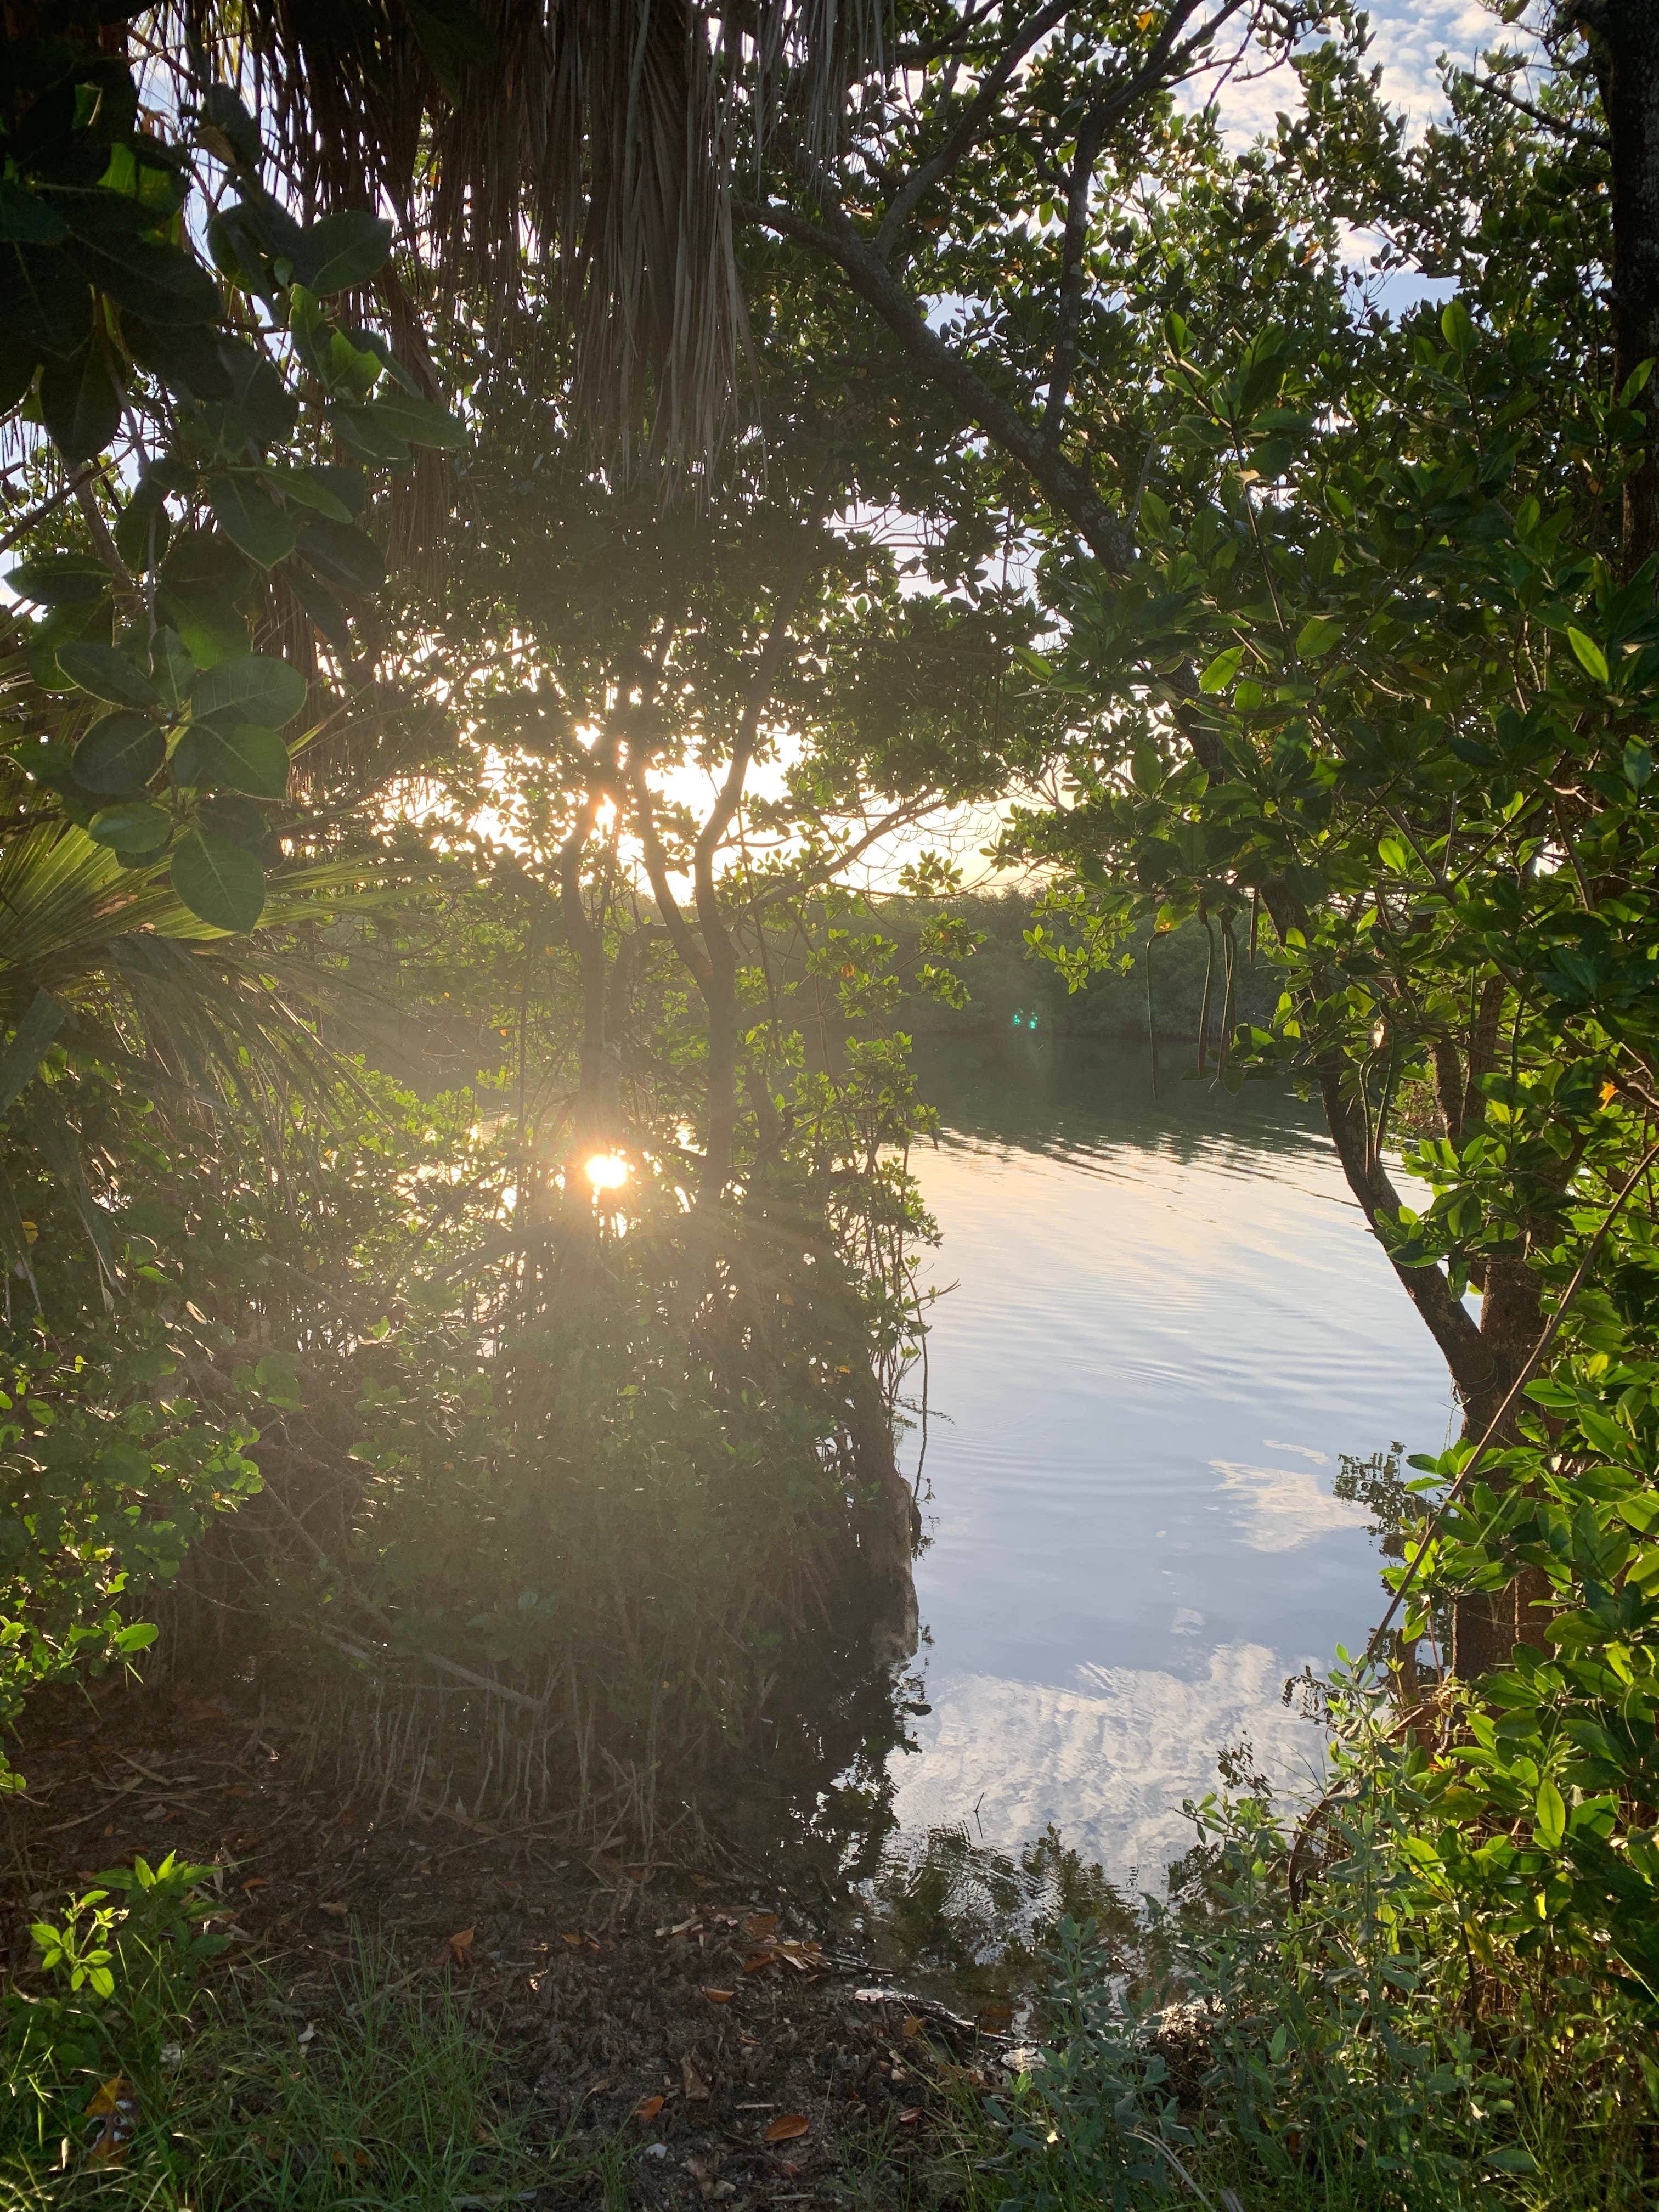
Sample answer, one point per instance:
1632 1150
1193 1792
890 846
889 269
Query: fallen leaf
993 2018
787 2128
574 1941
906 2117
338 1911
760 1961
696 2089
461 1946
649 2109
913 2026
114 2103
720 1996
262 1881
760 1924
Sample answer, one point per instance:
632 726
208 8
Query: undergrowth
129 2084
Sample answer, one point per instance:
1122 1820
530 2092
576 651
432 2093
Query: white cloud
1286 1505
1109 1762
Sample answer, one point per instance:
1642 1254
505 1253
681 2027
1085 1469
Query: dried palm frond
598 134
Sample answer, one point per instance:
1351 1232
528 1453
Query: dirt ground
708 2016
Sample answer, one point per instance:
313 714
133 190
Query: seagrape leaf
343 250
81 402
252 687
186 357
250 518
118 756
226 113
1222 670
245 758
134 827
222 883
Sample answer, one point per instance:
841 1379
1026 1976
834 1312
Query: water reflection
1169 1326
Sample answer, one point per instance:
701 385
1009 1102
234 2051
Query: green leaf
171 667
250 518
1549 1816
1316 636
60 580
226 113
118 756
1590 655
451 37
28 1045
80 403
343 556
1512 2158
1456 328
44 299
251 688
343 250
310 488
372 439
222 883
247 758
1222 670
1396 856
108 675
135 827
422 421
26 219
1638 761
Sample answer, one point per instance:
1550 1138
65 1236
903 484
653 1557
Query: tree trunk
1624 41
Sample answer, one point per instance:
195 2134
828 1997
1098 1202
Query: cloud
1286 1506
1107 1762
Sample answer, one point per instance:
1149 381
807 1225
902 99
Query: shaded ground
718 2040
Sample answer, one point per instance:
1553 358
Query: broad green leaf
1591 657
251 688
172 670
28 1045
1549 1816
245 758
1638 761
108 675
251 519
1222 670
1394 855
1316 636
309 487
1456 328
60 580
81 402
372 439
1512 2158
133 827
44 299
343 250
422 421
222 883
118 756
26 219
343 556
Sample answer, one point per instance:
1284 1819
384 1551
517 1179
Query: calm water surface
1168 1323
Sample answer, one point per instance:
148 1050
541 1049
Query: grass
380 2097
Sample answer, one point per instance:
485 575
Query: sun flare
606 1172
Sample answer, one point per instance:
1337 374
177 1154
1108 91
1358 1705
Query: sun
606 1172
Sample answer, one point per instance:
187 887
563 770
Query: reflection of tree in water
1378 1484
947 1905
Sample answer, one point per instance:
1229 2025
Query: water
1168 1323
